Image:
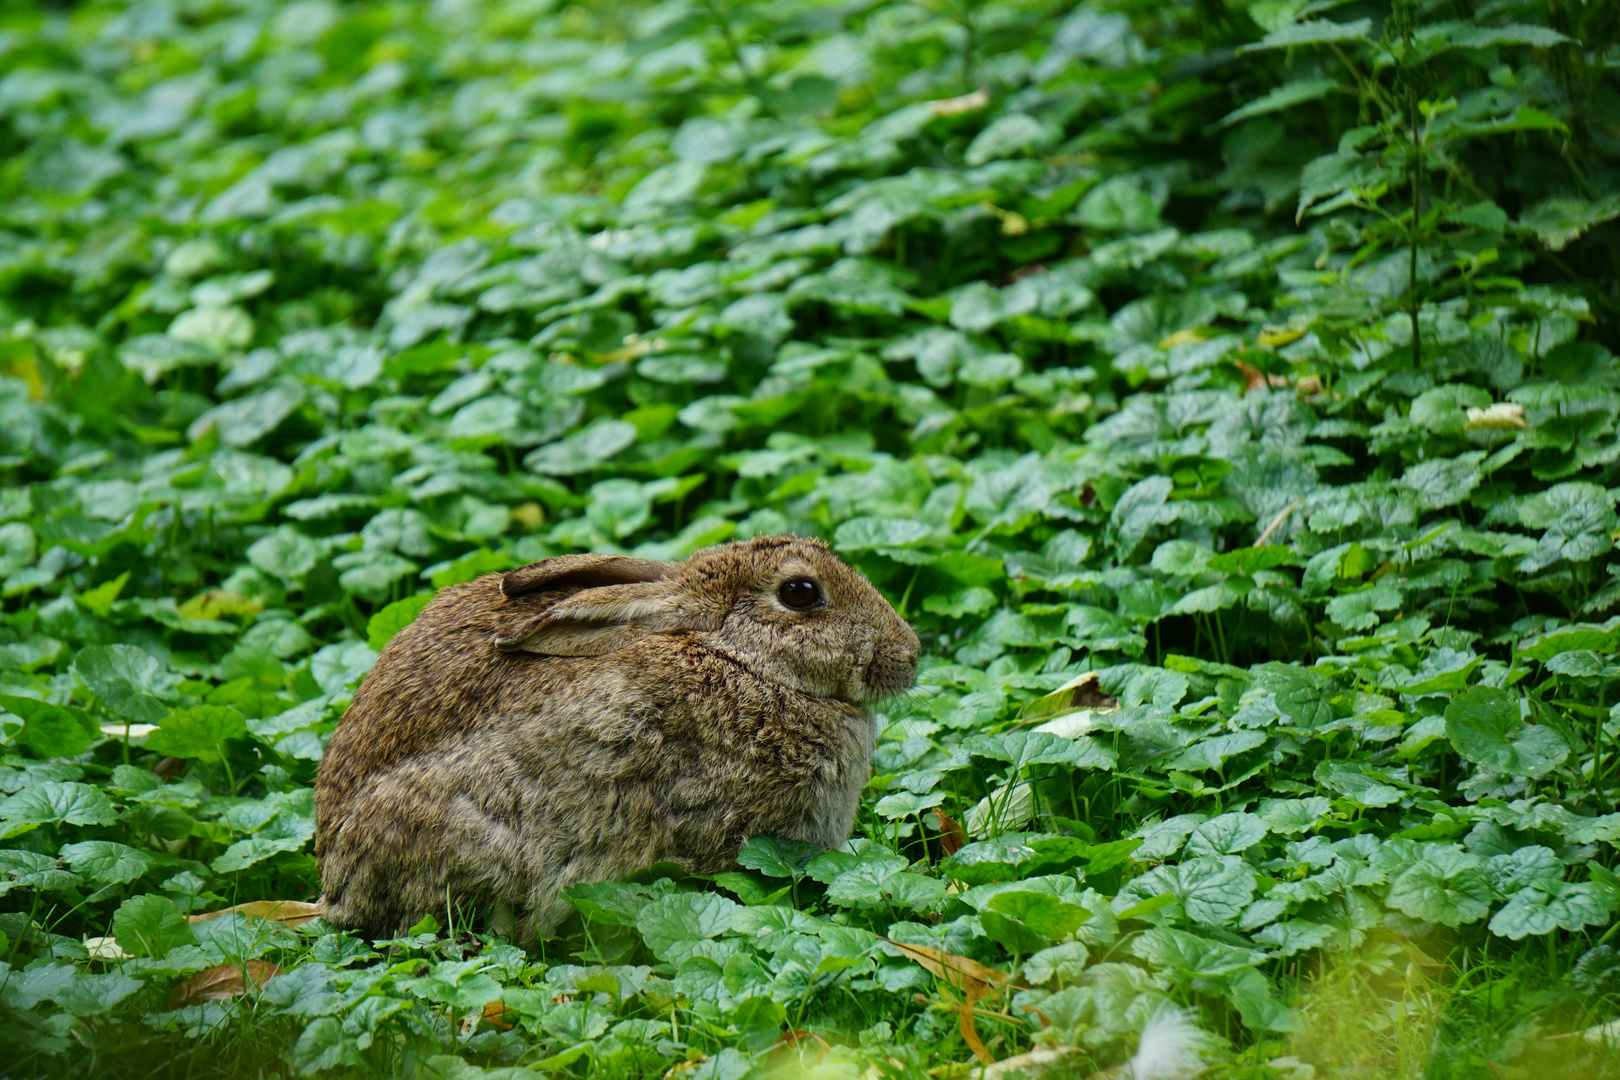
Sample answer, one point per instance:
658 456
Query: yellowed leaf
1275 337
291 912
965 103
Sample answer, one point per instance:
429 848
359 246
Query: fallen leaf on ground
222 981
962 973
291 912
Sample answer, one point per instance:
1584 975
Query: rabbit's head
785 608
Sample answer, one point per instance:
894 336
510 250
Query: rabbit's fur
587 715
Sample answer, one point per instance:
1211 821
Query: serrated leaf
1444 886
775 857
51 730
198 732
106 862
1545 907
55 802
126 679
1484 726
392 618
150 926
673 925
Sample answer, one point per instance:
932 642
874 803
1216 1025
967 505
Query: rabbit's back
589 771
438 679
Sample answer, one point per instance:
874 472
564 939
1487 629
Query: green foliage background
1254 357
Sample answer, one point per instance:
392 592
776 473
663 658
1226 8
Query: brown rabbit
587 715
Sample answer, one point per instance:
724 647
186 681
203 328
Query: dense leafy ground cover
1248 365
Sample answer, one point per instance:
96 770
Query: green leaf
1579 520
776 857
1560 221
1315 32
1362 784
674 925
1543 908
1487 37
1247 560
32 870
1024 748
150 926
55 802
869 533
1300 693
391 619
458 984
126 679
1483 724
1442 482
1042 913
1188 956
1010 135
584 450
608 901
1285 96
285 554
1292 816
1258 1006
1360 610
1227 834
100 599
106 862
51 730
1445 886
17 547
198 732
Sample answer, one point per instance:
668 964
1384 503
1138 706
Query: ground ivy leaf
126 679
1546 906
774 856
673 925
392 618
106 862
198 732
150 926
1227 834
51 730
56 802
1483 724
1444 886
1188 956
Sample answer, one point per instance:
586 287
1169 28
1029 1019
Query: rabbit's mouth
889 674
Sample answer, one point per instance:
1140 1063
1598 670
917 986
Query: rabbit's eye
798 593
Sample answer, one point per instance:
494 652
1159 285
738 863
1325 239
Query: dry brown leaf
222 981
495 1013
1087 693
962 973
290 912
1255 379
952 837
957 971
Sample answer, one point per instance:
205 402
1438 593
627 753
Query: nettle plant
1224 392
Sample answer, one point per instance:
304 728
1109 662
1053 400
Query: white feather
1171 1047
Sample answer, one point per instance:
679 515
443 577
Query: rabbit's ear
590 571
593 622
